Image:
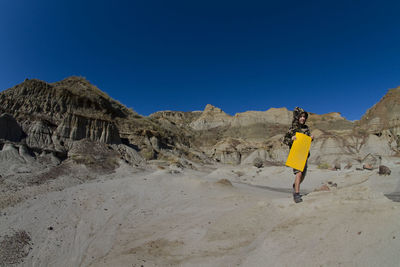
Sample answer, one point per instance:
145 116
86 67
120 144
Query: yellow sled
299 152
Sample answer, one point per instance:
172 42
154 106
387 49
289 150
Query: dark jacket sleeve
287 140
307 131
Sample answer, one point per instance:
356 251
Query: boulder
258 163
337 166
384 170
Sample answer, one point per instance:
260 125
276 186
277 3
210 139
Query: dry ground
183 217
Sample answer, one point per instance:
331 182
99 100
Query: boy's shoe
297 197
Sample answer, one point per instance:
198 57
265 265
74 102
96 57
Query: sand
184 217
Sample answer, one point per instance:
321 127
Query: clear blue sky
154 55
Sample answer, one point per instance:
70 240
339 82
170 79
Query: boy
298 125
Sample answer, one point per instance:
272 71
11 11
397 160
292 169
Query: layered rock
211 117
40 134
179 118
230 151
271 116
384 115
271 151
72 109
332 122
54 116
383 120
74 95
16 159
75 127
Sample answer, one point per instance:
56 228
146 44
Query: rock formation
383 121
69 110
271 116
76 127
211 117
384 115
9 128
52 117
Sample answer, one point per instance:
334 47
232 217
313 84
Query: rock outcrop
52 117
10 129
68 110
332 122
40 134
75 127
271 116
384 115
211 117
179 118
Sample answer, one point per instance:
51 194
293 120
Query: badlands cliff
51 117
86 181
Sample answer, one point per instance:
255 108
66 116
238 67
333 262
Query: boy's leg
296 194
303 174
297 182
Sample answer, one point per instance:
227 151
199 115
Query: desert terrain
85 181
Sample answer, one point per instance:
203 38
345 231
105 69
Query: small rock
50 228
322 188
348 166
383 170
367 167
337 166
258 163
225 182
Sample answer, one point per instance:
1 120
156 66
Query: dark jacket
296 127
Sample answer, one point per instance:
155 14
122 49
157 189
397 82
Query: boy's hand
294 137
312 137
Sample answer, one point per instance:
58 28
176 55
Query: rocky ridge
383 118
53 116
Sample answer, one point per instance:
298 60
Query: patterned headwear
297 112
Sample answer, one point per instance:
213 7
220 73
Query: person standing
300 117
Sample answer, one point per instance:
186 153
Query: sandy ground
184 217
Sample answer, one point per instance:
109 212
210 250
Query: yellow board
299 152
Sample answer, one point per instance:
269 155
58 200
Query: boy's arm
307 132
288 137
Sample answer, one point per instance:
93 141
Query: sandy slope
159 218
